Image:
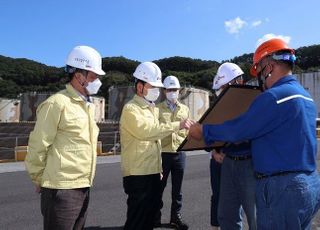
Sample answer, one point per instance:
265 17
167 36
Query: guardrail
110 147
14 148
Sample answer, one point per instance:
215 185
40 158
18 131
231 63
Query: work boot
177 222
157 220
157 224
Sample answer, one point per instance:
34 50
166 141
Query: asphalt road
20 206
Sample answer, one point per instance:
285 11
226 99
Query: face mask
219 91
263 78
172 96
153 94
93 87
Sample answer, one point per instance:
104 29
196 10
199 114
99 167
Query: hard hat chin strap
85 74
263 78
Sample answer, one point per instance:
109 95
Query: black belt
172 152
281 173
239 158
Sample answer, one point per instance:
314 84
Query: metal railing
9 142
110 142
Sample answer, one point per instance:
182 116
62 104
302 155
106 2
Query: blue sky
146 30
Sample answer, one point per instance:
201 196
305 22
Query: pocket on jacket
75 162
144 152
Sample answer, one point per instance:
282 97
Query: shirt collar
172 106
170 103
142 102
76 95
284 80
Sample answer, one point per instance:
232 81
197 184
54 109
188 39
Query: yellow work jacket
140 135
171 142
62 146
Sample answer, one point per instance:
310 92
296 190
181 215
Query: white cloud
267 37
256 23
235 25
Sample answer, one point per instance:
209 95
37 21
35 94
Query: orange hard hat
268 47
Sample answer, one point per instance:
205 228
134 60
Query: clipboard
232 102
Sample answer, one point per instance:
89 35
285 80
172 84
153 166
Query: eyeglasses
172 90
237 81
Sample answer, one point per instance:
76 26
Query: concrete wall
9 110
30 102
311 82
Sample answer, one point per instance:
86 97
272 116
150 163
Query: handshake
195 129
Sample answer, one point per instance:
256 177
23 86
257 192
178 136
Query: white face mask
172 96
152 94
93 87
219 91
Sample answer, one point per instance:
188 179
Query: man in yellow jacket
171 110
61 159
140 135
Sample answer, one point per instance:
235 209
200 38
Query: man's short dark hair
136 81
72 70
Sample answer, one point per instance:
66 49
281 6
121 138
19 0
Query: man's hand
218 157
195 131
185 124
38 189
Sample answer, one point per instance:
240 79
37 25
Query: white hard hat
171 82
226 73
87 58
150 73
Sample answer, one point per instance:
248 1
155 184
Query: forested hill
23 75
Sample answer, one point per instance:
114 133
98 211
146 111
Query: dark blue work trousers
288 201
173 163
215 175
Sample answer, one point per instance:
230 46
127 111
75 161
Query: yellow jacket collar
73 93
140 101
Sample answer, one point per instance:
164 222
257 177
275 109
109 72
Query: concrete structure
29 104
311 82
31 100
9 110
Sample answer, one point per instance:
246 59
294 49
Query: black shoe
157 220
157 224
177 222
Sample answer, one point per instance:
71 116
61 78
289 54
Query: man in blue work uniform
281 124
